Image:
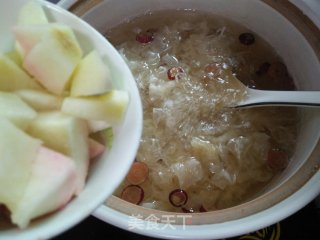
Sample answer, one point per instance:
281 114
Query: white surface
109 170
302 64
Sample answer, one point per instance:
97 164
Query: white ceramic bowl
108 171
295 38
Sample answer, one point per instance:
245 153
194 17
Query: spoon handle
281 98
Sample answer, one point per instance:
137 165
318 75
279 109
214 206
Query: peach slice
32 13
16 149
109 107
91 77
67 135
12 77
15 110
53 60
51 186
97 125
95 148
28 36
40 100
15 56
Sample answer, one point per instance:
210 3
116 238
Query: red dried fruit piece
133 194
178 197
138 173
187 210
263 69
212 70
278 70
174 72
277 159
247 38
185 34
145 37
202 209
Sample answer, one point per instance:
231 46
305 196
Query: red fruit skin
277 159
125 195
144 37
173 73
181 195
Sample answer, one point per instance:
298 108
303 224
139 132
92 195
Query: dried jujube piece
138 173
277 159
263 69
174 72
247 38
187 210
192 210
178 197
133 194
202 209
278 70
212 70
145 37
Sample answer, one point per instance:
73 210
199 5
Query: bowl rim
251 223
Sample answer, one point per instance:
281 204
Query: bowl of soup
204 169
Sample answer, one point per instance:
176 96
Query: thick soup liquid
197 153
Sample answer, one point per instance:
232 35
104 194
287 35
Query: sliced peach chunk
15 110
12 77
67 135
109 107
51 186
53 60
40 100
17 154
95 148
91 77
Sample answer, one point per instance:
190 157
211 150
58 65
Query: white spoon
280 98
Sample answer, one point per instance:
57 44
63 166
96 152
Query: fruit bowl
295 39
107 170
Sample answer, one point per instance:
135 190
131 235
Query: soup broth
199 153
